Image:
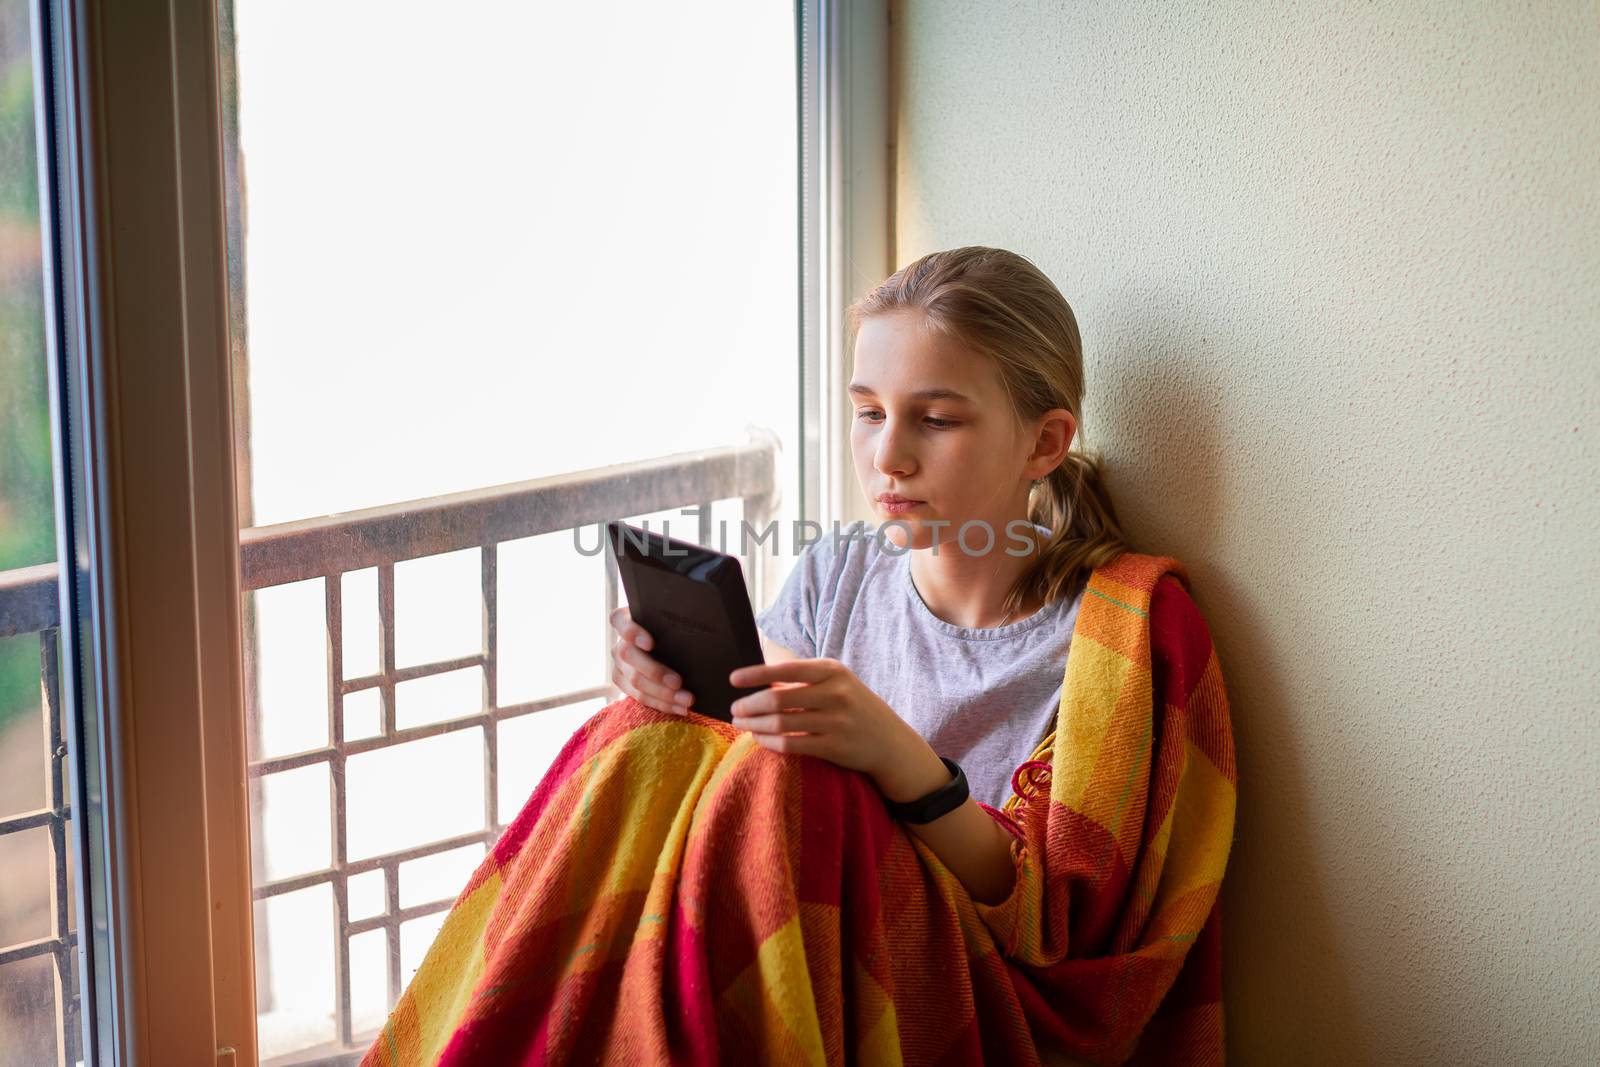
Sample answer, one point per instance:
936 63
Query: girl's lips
895 507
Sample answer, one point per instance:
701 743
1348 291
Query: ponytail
1085 533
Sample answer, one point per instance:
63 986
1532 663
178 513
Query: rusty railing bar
489 562
29 600
392 934
39 946
415 911
31 820
386 645
362 745
613 601
310 879
408 674
67 996
333 603
354 540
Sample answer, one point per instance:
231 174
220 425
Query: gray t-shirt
983 697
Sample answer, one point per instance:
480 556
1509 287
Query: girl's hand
647 680
843 721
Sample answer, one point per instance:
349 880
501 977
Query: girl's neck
970 590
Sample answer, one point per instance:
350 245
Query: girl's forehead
900 358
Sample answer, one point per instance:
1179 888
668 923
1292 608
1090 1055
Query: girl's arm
975 847
774 652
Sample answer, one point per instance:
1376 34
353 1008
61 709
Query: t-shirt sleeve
791 619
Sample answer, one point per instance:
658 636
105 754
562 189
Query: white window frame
847 158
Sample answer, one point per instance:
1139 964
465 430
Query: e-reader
693 602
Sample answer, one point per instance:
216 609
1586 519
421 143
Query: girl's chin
904 531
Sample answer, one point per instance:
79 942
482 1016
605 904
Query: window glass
40 1001
473 246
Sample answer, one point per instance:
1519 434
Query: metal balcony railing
328 548
28 605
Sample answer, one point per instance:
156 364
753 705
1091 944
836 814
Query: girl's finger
794 670
648 667
666 694
647 691
637 636
816 723
787 699
630 632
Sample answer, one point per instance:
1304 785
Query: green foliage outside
27 519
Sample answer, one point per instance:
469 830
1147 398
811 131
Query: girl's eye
937 424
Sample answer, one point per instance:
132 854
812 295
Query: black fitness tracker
941 801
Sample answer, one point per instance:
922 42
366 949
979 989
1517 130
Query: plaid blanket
672 892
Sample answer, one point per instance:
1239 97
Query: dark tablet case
693 603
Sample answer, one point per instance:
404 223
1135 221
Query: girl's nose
893 456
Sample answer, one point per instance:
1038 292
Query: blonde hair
998 305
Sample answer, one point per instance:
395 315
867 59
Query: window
43 789
499 275
391 286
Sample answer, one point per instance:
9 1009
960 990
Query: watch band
941 801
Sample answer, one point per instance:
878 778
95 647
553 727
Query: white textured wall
1337 268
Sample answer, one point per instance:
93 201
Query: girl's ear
1052 435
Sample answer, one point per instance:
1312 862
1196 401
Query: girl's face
933 423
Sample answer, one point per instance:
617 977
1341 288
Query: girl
944 631
668 894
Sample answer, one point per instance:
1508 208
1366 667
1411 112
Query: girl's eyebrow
920 394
